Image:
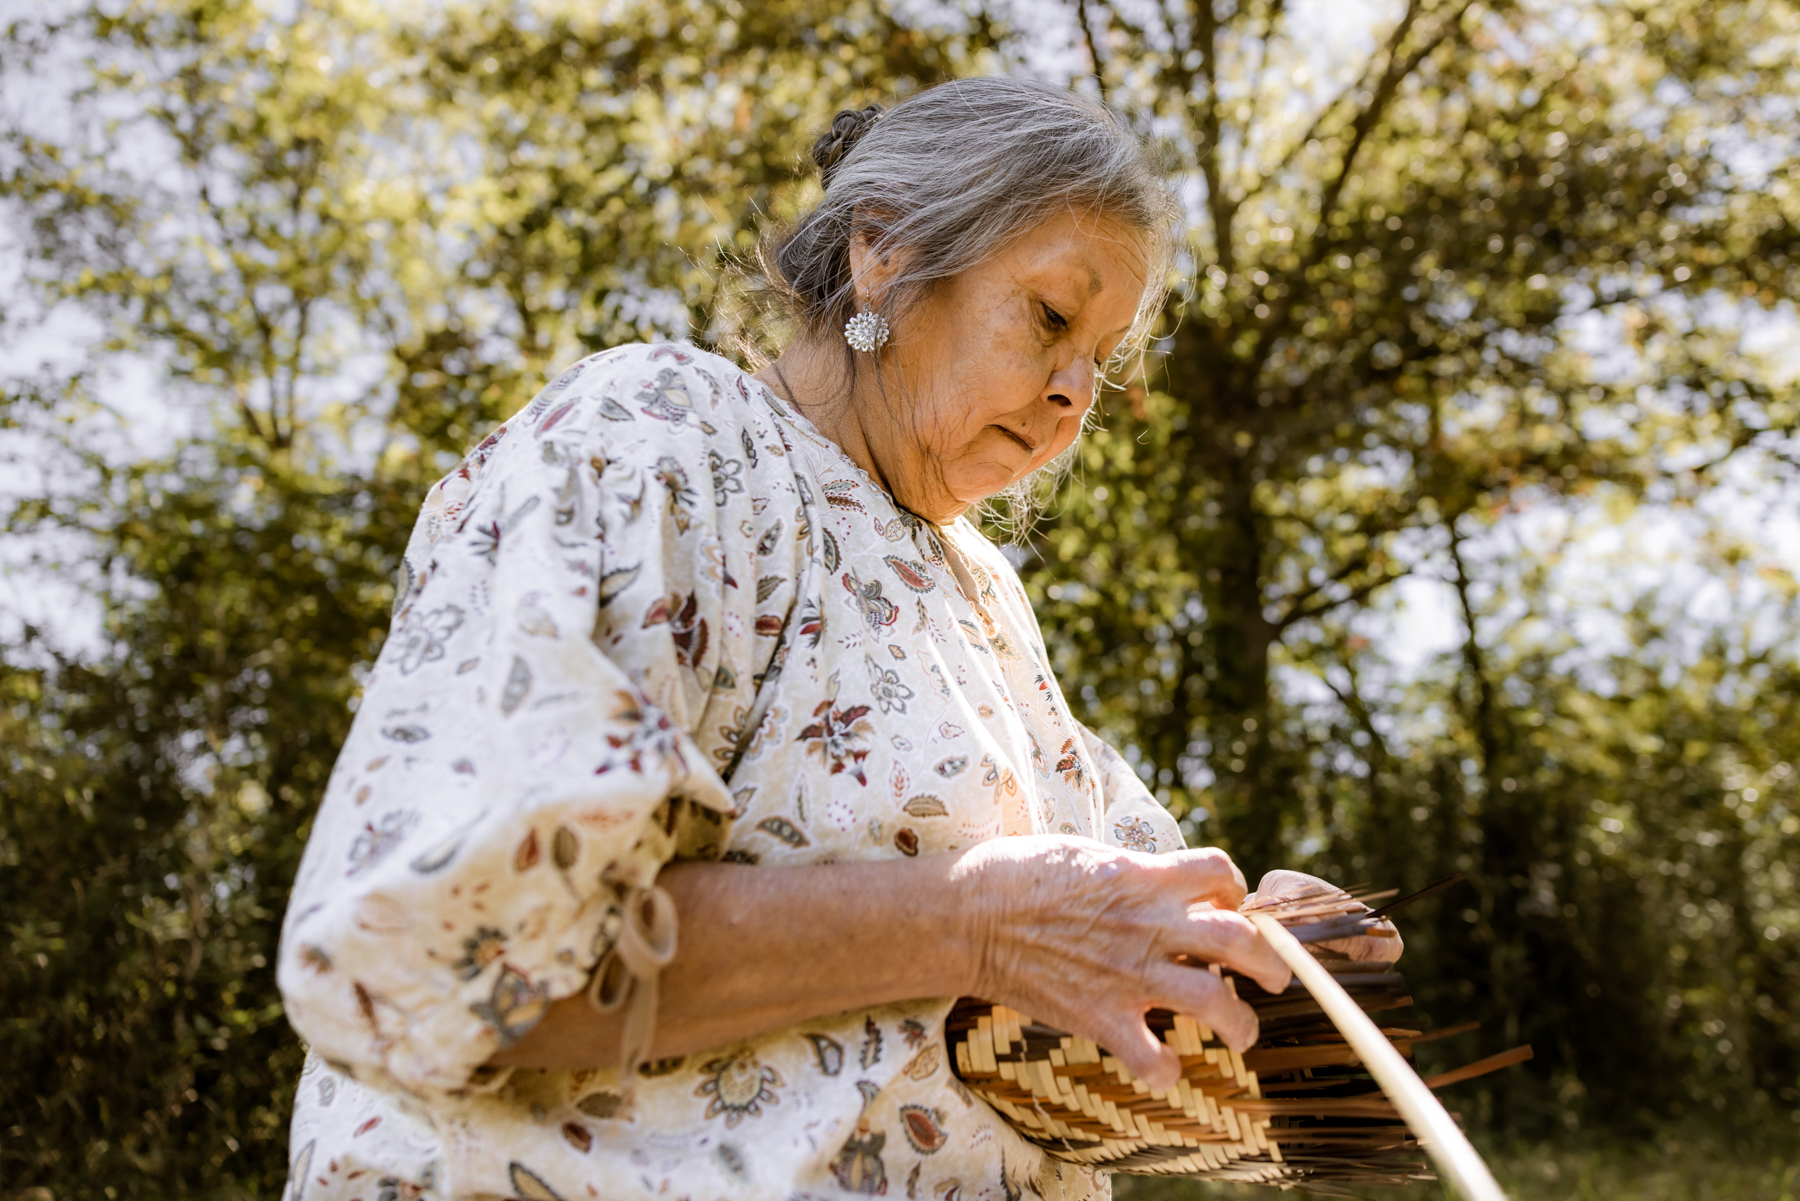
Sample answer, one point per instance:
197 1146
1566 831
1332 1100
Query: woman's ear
872 270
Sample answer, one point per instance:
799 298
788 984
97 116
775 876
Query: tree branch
1318 123
1366 120
1359 712
1398 70
1297 613
1472 657
1221 208
1272 13
1093 44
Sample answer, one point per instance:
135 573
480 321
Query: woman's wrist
995 892
975 903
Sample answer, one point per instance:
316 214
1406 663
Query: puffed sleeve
1131 817
589 603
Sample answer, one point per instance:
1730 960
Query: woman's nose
1072 386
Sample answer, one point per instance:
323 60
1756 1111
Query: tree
1382 348
338 244
342 245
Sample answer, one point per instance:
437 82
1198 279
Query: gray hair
947 179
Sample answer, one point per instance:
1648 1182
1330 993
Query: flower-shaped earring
867 332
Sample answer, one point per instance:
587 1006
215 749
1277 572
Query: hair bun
836 143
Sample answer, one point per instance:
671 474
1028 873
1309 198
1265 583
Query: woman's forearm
761 948
1082 936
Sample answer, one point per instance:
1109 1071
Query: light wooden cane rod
1438 1133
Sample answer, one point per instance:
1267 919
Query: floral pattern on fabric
655 616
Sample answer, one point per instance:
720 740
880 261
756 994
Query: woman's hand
1086 937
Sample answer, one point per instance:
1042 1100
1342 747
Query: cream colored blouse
657 615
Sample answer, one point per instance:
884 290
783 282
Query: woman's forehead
1085 259
1097 253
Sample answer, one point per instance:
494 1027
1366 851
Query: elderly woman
679 646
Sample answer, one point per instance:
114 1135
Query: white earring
867 332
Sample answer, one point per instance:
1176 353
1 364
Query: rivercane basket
1296 1110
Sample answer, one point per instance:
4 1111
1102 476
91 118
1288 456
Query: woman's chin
981 486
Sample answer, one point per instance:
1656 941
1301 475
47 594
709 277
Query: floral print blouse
656 615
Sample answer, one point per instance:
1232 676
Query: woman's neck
858 418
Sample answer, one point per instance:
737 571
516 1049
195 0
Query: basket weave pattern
1295 1109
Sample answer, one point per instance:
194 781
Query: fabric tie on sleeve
627 975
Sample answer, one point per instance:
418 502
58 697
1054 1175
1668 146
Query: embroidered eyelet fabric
655 578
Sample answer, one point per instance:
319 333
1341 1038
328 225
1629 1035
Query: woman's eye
1054 319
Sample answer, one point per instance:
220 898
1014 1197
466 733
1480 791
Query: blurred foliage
1504 262
349 244
332 244
150 815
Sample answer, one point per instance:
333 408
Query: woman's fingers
1195 992
1147 1056
1219 936
1204 997
1205 874
1284 884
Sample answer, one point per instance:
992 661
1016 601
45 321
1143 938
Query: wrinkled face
992 373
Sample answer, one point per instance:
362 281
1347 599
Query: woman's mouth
1029 448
